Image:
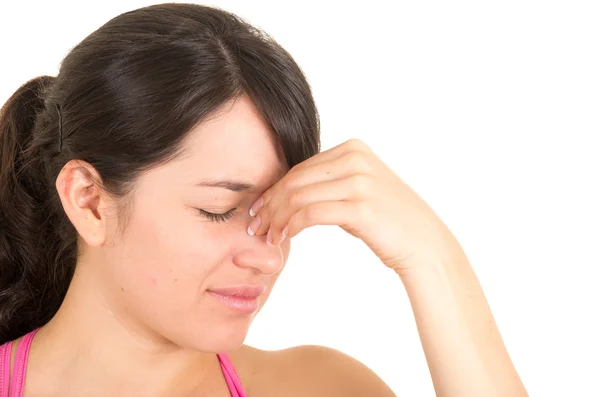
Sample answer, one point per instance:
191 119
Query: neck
92 347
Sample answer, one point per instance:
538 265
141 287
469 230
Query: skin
141 299
351 187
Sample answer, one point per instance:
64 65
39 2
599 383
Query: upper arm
322 371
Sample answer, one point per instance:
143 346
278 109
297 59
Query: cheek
166 260
199 249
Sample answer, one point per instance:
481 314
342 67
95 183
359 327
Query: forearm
463 347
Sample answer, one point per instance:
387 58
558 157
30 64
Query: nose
255 253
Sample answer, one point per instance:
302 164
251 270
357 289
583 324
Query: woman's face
170 253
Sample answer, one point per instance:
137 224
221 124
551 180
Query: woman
148 195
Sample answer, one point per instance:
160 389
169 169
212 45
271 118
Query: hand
351 187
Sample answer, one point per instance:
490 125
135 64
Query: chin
223 343
214 338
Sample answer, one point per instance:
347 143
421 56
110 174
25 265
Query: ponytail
35 269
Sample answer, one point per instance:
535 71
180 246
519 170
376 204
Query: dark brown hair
123 101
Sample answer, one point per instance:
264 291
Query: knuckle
360 183
295 197
287 184
358 160
312 213
357 144
354 142
363 210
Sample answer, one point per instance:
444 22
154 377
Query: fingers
277 213
337 174
352 145
346 164
321 213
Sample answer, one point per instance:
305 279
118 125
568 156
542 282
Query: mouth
241 298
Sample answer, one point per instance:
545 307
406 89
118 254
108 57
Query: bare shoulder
308 370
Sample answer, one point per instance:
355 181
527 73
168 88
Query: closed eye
217 217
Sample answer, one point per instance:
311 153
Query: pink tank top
17 380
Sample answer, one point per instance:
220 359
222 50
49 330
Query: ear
83 201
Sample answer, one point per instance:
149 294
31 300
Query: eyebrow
233 185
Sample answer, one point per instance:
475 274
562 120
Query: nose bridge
254 252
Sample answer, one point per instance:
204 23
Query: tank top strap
231 377
20 367
5 351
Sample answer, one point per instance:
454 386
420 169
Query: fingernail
254 225
269 238
284 233
256 206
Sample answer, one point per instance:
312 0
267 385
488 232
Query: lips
241 291
241 299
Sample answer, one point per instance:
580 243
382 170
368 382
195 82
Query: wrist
438 259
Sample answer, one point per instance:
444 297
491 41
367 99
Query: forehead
235 143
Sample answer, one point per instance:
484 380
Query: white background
489 110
